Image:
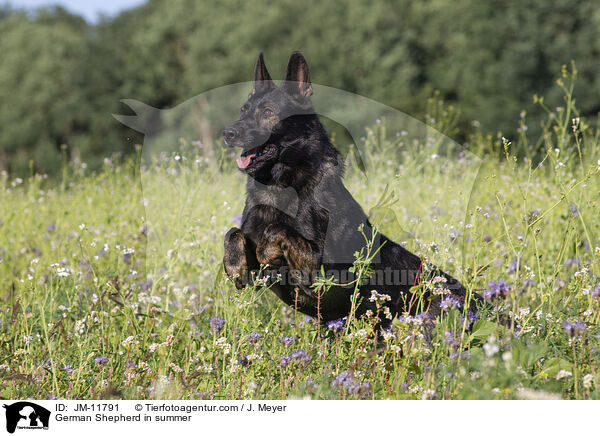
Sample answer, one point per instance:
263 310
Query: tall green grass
101 299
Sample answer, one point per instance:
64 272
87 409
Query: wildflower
378 298
286 340
588 381
298 356
101 360
490 347
155 346
301 355
129 342
216 324
360 334
563 373
471 317
223 345
336 325
346 381
512 266
61 271
429 394
596 292
573 328
253 338
237 220
68 368
574 210
464 355
450 302
496 289
175 368
450 339
575 123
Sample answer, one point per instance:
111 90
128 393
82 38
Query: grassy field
91 308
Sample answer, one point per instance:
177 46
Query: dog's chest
279 206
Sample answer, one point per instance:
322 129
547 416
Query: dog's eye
243 110
267 113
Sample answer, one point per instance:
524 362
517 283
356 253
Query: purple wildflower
422 316
101 360
301 355
216 324
286 340
450 339
67 367
253 337
496 289
347 382
237 219
336 325
471 318
531 215
465 355
573 328
574 210
450 302
596 292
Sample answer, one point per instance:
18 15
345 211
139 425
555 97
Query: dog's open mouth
250 157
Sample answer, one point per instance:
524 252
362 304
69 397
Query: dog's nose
229 134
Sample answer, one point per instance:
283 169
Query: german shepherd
299 219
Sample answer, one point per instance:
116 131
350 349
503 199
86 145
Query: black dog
299 217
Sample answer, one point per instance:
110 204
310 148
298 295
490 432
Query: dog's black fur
298 215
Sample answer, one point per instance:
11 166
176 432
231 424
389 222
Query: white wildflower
223 345
563 373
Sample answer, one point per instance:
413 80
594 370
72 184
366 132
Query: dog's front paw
271 248
235 260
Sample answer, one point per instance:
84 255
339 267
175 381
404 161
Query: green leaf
483 329
553 366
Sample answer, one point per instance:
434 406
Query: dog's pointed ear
297 75
262 78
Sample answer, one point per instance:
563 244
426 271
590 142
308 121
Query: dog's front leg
239 260
282 244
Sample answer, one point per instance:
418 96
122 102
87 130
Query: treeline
61 79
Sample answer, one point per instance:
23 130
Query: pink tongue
244 161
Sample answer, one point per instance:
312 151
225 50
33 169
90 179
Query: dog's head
274 118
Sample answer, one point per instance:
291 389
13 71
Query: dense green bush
60 79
